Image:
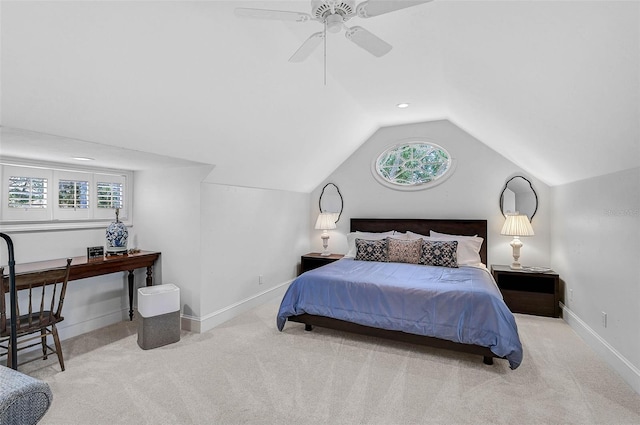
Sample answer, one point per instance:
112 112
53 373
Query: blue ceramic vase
117 235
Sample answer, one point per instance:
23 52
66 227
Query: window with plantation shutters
110 195
27 192
50 196
73 194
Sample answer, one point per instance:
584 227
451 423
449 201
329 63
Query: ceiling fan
333 14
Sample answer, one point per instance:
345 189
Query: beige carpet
246 372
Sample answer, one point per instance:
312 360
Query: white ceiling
554 86
36 146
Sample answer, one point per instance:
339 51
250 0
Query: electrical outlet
260 280
570 294
604 319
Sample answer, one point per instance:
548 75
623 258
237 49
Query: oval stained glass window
413 165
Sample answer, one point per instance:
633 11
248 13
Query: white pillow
434 234
351 240
468 247
411 235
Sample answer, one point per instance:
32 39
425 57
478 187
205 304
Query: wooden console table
82 268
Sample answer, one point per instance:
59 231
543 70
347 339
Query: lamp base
516 245
325 244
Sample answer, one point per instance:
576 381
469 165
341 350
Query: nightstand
313 260
529 292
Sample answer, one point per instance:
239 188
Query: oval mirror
518 196
331 200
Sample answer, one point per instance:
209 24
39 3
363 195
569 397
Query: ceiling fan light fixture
334 23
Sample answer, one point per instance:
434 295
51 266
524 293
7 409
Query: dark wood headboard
423 226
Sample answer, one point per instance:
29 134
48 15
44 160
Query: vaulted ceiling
554 86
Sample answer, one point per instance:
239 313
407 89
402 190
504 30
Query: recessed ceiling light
402 105
83 158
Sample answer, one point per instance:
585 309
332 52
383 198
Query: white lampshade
517 225
326 221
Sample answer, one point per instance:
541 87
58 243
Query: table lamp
326 221
517 225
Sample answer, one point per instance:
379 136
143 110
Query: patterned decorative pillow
367 250
468 247
404 250
439 253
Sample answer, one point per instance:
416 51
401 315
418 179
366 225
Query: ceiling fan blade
370 8
369 42
307 47
278 15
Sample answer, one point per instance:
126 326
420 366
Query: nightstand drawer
314 260
530 302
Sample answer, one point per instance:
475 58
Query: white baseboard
188 323
210 321
77 329
83 327
626 369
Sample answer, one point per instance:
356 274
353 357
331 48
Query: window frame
65 213
104 213
412 187
24 214
52 217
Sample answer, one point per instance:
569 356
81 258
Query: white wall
247 233
472 192
596 229
216 240
167 219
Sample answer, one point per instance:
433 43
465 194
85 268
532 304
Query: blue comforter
457 304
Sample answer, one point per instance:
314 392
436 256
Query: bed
380 299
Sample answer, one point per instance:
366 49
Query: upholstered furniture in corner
23 399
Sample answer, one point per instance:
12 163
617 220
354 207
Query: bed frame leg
487 360
308 328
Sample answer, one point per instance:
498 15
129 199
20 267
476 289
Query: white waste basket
159 310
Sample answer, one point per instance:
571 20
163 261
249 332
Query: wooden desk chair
42 295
